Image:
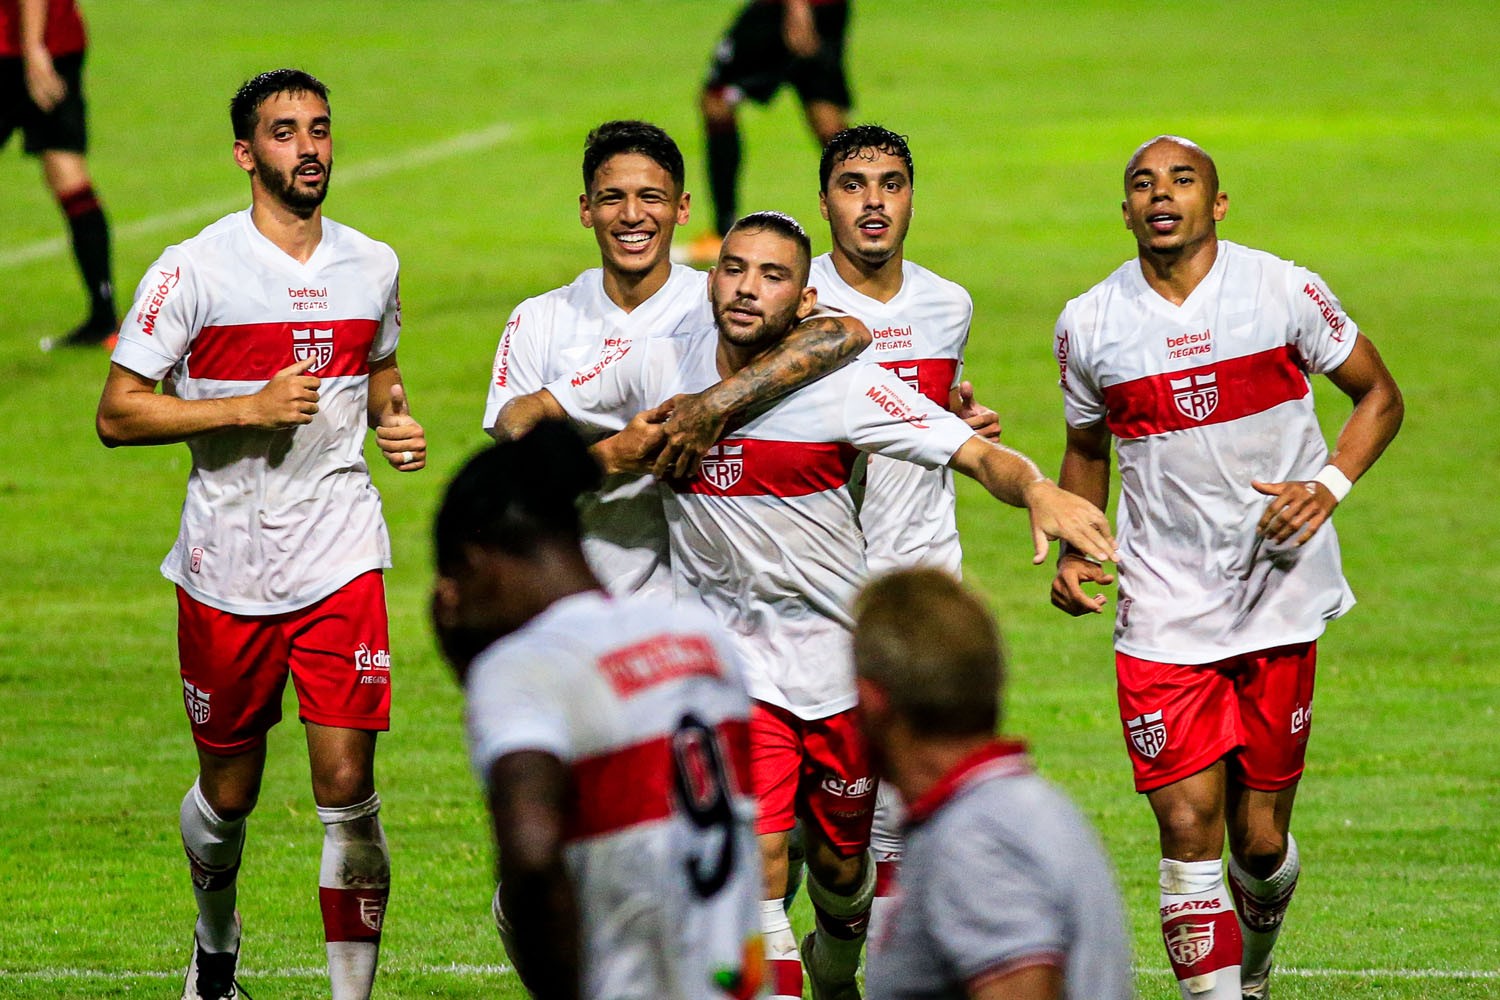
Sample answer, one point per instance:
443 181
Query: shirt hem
1195 657
252 610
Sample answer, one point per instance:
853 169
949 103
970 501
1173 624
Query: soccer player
1005 891
766 536
1194 358
42 47
612 738
275 331
772 42
919 323
633 200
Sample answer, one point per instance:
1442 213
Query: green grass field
1359 138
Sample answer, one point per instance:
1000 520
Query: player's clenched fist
289 399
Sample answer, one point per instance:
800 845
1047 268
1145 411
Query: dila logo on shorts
722 466
195 699
1196 396
1148 733
1190 943
366 658
315 343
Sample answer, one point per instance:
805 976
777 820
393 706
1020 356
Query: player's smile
633 206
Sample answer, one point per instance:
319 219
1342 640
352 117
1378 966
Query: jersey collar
998 758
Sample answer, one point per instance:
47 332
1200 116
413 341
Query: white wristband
1334 481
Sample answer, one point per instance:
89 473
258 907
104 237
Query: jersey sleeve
607 392
1083 402
1320 330
520 365
163 319
512 706
991 911
884 415
389 333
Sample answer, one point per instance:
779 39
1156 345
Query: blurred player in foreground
42 47
766 536
772 42
1005 891
919 324
275 330
1194 358
633 201
612 738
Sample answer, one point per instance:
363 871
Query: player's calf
832 951
1262 904
1199 928
353 885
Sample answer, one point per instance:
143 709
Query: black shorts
753 60
63 128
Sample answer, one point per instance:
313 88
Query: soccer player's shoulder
935 285
354 242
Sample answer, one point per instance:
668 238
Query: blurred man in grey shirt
1005 891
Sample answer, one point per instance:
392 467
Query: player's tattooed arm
1085 472
822 343
527 793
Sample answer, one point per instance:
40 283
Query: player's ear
823 203
682 208
807 303
242 157
1221 206
1125 213
585 217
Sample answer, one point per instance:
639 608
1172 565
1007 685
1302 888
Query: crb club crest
1148 734
722 465
196 700
911 375
315 343
1196 396
371 912
1189 943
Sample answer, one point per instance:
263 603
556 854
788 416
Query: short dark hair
244 107
932 646
778 222
630 136
514 495
847 144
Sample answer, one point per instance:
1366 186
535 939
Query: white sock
887 844
1200 929
783 963
353 884
213 847
1262 904
841 925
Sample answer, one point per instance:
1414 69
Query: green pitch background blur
1361 139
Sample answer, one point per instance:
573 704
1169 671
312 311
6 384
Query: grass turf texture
1359 139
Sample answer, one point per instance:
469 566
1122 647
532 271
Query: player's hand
1300 506
43 84
798 31
401 439
1056 513
1073 571
690 429
984 421
635 449
289 399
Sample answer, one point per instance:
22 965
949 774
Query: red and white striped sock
783 963
1262 904
353 885
1200 930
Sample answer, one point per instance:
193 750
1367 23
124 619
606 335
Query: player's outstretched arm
520 415
1085 471
131 411
401 439
527 791
820 344
1301 508
1055 513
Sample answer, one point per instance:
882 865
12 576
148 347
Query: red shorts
234 667
1257 707
819 769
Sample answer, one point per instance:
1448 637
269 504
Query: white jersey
766 535
556 334
1201 399
273 520
643 701
908 512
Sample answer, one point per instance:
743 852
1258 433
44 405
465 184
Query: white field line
471 971
464 142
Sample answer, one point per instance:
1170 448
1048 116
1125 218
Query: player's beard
773 327
283 186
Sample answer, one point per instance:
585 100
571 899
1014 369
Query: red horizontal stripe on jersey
932 377
1208 394
635 784
746 467
254 352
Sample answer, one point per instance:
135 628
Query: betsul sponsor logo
156 298
308 299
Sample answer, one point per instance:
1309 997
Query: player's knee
1190 834
839 875
342 783
1260 852
716 107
